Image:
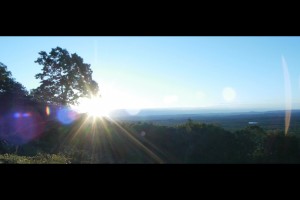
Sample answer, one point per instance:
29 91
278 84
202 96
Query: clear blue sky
229 72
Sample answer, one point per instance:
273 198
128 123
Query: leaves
64 78
8 85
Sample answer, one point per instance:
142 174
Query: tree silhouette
64 78
11 92
8 85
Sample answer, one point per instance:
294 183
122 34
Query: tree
64 78
8 85
13 96
11 91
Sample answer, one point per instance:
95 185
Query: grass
38 159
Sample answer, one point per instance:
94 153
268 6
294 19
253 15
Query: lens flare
26 114
229 94
17 115
66 116
47 110
288 95
21 127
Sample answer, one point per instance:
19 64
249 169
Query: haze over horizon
235 73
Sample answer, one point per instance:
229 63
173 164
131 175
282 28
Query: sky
175 72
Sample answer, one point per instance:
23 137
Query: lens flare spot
143 133
21 127
17 115
229 94
26 115
288 95
47 110
66 116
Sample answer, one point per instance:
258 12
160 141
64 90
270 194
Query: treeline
106 141
206 143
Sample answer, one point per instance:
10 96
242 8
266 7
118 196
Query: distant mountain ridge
168 112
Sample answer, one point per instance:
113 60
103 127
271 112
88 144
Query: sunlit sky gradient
148 72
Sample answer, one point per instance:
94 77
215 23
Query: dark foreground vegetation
89 140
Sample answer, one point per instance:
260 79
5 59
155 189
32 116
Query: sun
94 107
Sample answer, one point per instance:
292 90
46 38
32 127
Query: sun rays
109 141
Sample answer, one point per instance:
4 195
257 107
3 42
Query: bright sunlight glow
112 98
93 107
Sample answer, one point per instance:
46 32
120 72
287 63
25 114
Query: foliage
38 159
11 92
64 78
8 83
105 141
279 148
